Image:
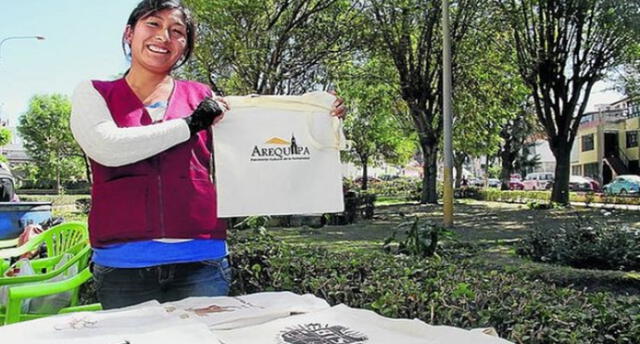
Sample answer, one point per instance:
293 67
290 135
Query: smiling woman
153 223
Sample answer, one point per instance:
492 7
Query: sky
82 41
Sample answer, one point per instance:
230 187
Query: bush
83 205
408 188
585 243
437 291
522 196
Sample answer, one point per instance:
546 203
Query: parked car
580 183
494 183
369 180
595 185
626 184
477 182
516 184
538 181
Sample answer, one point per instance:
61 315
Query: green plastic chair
67 238
40 284
57 239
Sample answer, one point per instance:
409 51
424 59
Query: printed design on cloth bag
321 334
276 149
203 311
76 324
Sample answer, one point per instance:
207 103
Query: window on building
592 170
576 170
632 138
587 142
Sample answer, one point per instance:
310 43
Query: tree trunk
365 172
560 192
458 166
507 167
430 170
87 168
58 183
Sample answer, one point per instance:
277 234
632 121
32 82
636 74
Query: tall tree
564 47
514 134
47 138
490 92
374 126
271 46
409 33
628 77
5 138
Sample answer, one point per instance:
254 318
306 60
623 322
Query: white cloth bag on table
279 155
226 312
146 323
341 324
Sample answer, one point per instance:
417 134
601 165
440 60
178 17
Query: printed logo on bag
277 149
321 334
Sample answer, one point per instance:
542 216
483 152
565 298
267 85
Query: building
606 144
14 151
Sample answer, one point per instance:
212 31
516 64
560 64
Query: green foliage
536 205
5 136
83 205
408 188
420 239
374 124
272 46
518 196
257 223
585 243
489 92
444 291
48 139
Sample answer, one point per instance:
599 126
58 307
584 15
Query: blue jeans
120 287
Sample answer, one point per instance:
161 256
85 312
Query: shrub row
585 243
528 196
442 291
408 188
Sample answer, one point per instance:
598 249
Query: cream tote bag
279 155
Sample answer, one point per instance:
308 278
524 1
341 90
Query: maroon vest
168 195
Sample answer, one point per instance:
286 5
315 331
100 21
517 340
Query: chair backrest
60 238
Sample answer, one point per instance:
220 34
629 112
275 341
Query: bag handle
337 126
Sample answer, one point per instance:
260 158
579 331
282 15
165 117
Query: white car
494 183
538 181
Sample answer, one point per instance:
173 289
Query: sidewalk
607 206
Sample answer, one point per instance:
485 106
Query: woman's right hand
208 111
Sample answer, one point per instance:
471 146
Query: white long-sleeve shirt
103 141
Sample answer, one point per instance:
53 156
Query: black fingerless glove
203 116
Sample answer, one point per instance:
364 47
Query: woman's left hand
338 109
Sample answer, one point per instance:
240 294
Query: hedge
517 196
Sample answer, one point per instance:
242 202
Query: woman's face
157 41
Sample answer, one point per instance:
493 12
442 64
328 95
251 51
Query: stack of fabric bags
264 318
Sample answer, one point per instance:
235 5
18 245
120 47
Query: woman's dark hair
148 7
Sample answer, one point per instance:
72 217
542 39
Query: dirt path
475 221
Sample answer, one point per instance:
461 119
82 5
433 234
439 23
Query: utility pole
446 117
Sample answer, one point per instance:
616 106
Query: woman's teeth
158 49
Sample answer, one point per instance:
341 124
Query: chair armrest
82 308
17 294
9 243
